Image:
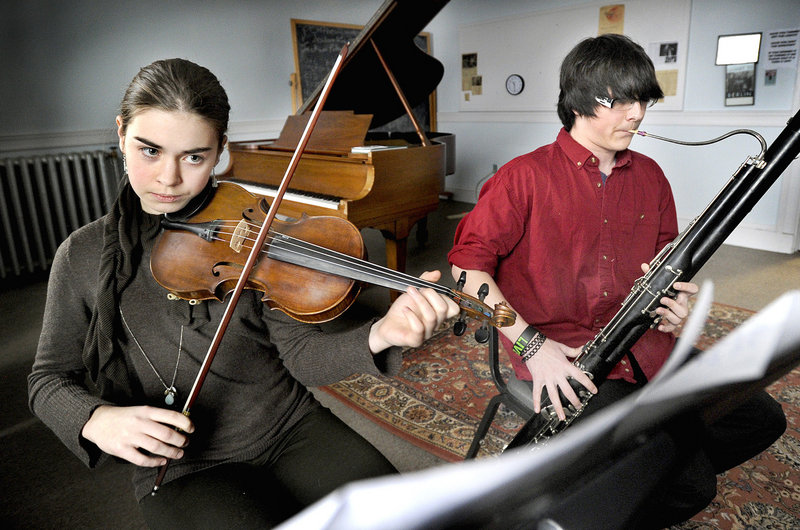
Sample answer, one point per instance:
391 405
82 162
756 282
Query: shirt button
605 293
599 184
641 216
580 164
605 257
623 362
627 370
593 160
605 221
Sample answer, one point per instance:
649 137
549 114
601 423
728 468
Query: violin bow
255 252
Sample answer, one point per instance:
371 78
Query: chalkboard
316 46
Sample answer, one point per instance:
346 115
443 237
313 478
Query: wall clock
515 84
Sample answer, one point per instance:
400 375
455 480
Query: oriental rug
437 401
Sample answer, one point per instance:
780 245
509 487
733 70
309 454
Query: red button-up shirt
565 247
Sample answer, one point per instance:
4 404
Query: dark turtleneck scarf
124 229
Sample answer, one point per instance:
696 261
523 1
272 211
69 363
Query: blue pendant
170 396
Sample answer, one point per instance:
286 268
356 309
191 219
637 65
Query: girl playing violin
117 356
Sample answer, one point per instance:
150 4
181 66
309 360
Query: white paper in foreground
414 500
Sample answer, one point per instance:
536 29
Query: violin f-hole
217 269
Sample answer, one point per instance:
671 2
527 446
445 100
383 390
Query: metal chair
514 394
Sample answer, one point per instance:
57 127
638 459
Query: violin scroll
503 315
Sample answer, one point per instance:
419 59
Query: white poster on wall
781 47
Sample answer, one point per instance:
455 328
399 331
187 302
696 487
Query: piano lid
362 84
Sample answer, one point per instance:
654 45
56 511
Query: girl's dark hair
177 85
608 65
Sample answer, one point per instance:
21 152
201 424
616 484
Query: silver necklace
169 391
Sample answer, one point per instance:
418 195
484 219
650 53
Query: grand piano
389 181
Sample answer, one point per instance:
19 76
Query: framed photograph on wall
740 84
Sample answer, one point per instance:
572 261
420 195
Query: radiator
45 198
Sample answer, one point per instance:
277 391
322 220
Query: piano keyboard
295 196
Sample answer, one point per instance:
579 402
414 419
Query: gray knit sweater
255 390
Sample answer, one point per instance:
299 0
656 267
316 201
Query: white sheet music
743 355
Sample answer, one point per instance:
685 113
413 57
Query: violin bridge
239 236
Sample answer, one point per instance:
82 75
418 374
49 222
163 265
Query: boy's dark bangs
634 82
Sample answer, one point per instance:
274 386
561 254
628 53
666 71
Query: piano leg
396 235
395 256
396 253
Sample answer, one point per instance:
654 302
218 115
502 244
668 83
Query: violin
312 269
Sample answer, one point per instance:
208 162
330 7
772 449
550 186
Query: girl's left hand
412 318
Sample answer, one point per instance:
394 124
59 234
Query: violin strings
345 261
304 248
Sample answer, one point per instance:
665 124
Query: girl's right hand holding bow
144 436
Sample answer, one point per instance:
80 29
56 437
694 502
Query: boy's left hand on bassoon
674 311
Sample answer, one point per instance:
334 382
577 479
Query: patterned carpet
440 395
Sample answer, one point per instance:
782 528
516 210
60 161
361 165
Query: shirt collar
580 156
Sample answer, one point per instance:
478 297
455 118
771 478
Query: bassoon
679 261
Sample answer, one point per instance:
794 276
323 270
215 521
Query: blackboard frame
316 45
